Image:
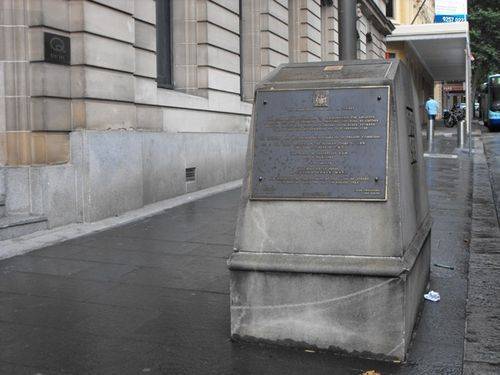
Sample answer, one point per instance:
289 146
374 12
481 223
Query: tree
484 20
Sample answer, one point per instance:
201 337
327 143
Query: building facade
110 105
411 12
414 12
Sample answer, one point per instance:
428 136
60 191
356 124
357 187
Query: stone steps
12 226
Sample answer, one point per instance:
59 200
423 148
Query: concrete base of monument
364 315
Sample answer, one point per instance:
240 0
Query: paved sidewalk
152 297
482 345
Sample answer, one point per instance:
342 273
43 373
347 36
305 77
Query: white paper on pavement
432 296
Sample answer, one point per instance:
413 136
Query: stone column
250 46
329 33
35 117
14 83
264 41
305 31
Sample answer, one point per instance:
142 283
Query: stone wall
98 137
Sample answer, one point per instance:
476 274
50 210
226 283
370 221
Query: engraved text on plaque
321 144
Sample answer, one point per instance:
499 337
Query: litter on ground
432 296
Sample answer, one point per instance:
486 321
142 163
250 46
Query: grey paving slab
39 284
139 244
105 272
48 266
41 311
70 351
8 368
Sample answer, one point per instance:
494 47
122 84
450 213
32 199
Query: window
164 44
390 9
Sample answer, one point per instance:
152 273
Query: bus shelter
443 49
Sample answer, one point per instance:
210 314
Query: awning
443 49
440 47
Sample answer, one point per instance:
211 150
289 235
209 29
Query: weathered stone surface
89 49
17 190
146 90
50 80
206 151
119 168
145 63
163 166
88 82
214 35
145 36
13 12
149 117
145 10
53 193
13 43
14 77
50 114
323 311
214 13
50 13
219 80
218 58
103 115
348 313
126 6
186 120
263 305
101 20
16 113
13 226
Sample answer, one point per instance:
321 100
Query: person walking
431 106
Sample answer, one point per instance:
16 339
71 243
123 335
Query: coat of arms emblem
320 98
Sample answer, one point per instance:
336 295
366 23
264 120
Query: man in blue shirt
431 106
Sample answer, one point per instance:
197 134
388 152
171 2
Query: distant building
110 105
413 12
406 12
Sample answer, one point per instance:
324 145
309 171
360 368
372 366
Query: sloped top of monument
328 73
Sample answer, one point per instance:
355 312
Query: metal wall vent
191 174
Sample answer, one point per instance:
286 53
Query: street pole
430 135
347 29
461 134
469 107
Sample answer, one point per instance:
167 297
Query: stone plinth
332 245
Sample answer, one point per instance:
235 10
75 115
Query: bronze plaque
321 144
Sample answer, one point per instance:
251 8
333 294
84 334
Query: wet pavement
482 344
152 297
491 143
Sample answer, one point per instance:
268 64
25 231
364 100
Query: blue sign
441 18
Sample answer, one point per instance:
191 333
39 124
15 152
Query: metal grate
191 174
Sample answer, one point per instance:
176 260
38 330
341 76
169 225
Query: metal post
468 99
461 134
347 29
430 135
